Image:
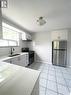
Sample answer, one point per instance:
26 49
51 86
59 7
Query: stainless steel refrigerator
59 53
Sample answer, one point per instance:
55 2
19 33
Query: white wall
29 44
42 46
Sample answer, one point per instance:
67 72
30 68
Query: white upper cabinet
59 35
26 36
23 36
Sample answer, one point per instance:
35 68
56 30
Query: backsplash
5 51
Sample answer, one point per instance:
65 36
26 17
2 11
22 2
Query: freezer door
59 44
55 44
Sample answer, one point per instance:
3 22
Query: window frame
8 43
16 41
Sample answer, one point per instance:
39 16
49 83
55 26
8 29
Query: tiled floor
54 80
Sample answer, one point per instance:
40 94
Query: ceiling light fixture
41 21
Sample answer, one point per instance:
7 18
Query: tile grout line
56 84
56 81
40 77
47 81
65 82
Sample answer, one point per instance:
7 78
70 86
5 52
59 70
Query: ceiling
57 14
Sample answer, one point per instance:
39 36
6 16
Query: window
3 43
12 43
10 36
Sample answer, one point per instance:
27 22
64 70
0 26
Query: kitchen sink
13 55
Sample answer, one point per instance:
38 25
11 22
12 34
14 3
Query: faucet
12 50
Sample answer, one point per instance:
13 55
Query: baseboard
69 66
46 62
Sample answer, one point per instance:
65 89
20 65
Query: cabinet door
59 35
28 36
27 59
23 36
8 61
24 60
15 61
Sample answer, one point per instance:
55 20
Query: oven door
31 57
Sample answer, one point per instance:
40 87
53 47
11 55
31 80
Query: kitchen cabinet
24 60
8 60
59 35
26 36
12 60
21 60
15 61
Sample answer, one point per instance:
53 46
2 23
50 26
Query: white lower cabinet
15 61
22 60
8 60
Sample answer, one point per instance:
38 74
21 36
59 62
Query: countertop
17 80
2 58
